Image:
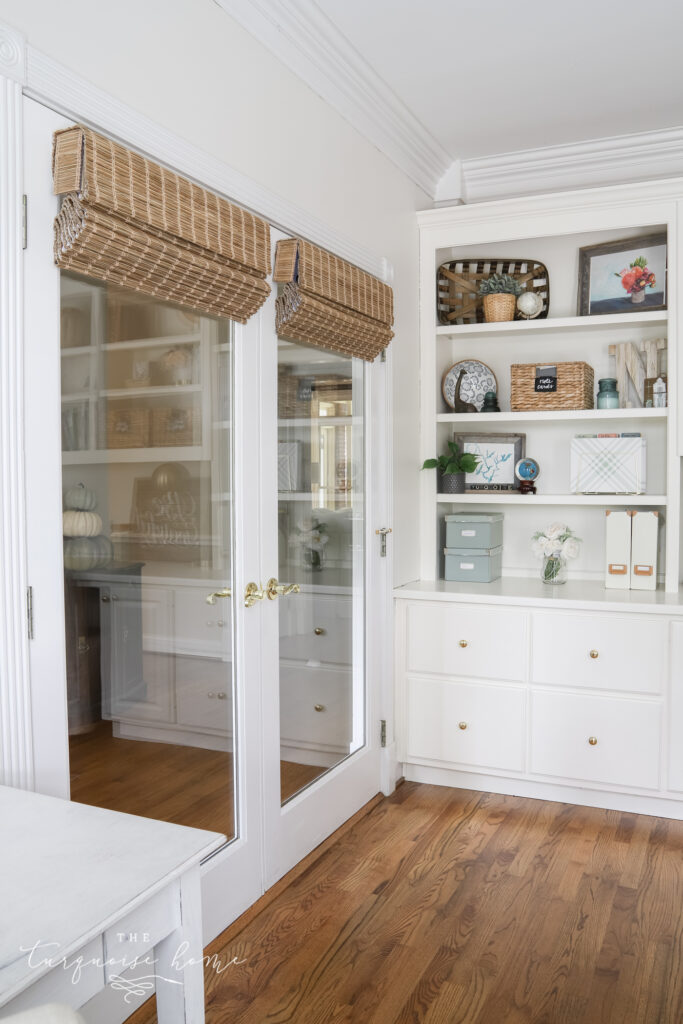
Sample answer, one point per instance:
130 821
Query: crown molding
620 159
61 89
12 54
310 45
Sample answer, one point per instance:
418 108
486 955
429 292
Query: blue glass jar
608 396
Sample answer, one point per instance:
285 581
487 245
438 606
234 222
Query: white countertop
590 594
68 870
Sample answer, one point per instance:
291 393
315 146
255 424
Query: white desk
83 882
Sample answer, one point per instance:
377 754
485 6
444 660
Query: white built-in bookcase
552 229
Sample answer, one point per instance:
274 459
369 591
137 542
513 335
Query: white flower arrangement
557 544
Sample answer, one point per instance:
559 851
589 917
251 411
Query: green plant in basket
500 284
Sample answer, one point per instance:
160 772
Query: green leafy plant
498 284
453 462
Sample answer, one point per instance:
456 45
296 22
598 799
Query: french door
199 515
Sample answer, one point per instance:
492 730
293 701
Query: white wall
188 66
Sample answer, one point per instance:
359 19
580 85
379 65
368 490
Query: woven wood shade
329 303
126 219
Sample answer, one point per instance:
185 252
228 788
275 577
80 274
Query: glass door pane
146 467
320 543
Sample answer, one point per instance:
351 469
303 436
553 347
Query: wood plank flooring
448 906
166 781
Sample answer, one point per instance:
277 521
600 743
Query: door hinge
24 222
29 612
382 534
383 356
383 732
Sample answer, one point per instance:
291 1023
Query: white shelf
170 341
514 498
150 392
76 396
330 421
315 496
467 418
95 457
551 325
77 350
533 591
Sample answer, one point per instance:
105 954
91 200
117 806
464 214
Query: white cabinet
481 643
465 723
597 739
601 652
555 722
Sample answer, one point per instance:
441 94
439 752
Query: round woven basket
498 307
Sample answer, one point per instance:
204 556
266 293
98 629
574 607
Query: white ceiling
451 89
493 76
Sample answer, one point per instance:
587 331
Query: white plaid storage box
608 465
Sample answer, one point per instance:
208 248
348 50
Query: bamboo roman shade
128 220
329 303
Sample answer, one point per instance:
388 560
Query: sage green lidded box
474 530
476 565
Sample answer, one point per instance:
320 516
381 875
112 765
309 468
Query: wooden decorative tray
457 286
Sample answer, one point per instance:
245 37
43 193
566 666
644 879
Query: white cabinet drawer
457 640
315 706
627 734
466 723
676 719
621 652
201 628
203 688
317 627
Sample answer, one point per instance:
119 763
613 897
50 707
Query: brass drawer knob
462 643
593 740
319 707
319 631
593 653
462 725
222 696
210 694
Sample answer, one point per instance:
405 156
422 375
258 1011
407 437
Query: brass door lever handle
253 593
225 592
275 589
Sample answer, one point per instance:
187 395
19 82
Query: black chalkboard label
546 378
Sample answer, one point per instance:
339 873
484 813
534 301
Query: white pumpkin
81 498
80 524
87 552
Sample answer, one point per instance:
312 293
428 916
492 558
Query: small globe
169 476
529 305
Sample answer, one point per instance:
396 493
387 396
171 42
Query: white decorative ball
529 305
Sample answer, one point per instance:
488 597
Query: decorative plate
479 378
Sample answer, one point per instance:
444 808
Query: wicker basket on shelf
574 388
457 286
128 428
173 426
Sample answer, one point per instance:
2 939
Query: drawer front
201 628
621 652
676 717
315 706
204 693
472 724
457 640
627 735
317 627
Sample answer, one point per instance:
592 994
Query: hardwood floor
452 907
166 781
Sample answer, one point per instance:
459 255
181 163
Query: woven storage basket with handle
127 428
174 427
457 286
575 387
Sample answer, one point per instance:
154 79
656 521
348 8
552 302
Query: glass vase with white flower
556 545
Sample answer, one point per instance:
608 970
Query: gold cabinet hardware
593 740
105 599
83 645
222 696
462 725
593 653
211 694
211 599
319 707
252 594
462 643
319 631
382 534
275 589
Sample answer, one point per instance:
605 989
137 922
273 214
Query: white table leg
180 958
